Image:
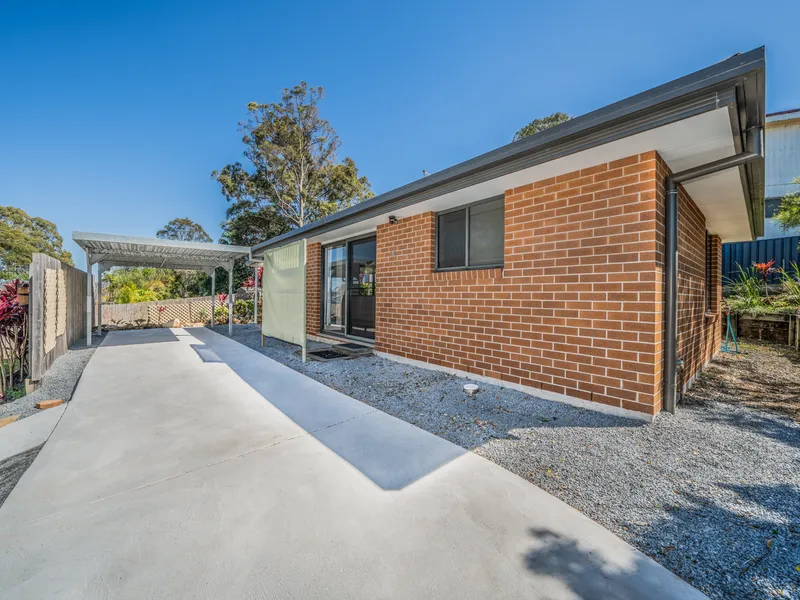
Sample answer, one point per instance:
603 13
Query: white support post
88 298
101 268
255 296
213 296
230 299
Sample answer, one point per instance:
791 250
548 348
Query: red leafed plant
222 297
13 337
250 282
765 270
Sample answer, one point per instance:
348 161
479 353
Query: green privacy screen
284 293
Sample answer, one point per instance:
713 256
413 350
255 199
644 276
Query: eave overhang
737 83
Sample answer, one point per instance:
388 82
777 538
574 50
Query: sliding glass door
348 290
361 296
334 286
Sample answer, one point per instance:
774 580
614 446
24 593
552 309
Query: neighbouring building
782 167
581 264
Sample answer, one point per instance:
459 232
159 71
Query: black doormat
354 349
325 355
353 346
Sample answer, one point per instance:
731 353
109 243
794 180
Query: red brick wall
313 288
576 308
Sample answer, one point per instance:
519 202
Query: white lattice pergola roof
130 251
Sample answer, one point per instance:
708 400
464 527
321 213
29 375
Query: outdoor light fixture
392 219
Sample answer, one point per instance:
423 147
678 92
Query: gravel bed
712 492
59 381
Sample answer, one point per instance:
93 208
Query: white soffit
684 144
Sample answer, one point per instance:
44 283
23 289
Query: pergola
106 251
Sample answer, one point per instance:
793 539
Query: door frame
343 334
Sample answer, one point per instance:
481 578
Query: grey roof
737 82
129 251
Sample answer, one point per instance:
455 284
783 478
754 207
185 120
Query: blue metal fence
782 250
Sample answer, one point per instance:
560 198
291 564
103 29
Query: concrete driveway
189 466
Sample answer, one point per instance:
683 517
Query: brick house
581 264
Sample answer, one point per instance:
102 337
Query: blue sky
113 114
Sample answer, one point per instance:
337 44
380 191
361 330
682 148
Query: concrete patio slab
174 476
30 432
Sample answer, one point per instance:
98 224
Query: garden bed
712 492
764 376
765 328
58 383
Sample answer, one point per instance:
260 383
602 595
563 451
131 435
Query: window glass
452 239
771 206
335 262
486 233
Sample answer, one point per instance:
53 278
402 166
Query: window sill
711 316
468 274
461 269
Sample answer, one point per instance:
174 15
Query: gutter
753 152
697 93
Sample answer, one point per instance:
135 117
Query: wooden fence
56 311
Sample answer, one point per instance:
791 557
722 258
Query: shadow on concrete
587 575
138 336
206 353
390 452
446 408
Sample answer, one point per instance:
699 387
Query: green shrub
790 284
243 310
745 292
221 315
15 393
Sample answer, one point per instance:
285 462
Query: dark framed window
771 206
471 237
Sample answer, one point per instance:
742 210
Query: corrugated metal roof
130 251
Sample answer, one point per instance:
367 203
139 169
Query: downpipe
755 151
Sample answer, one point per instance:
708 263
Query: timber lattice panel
192 311
50 309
